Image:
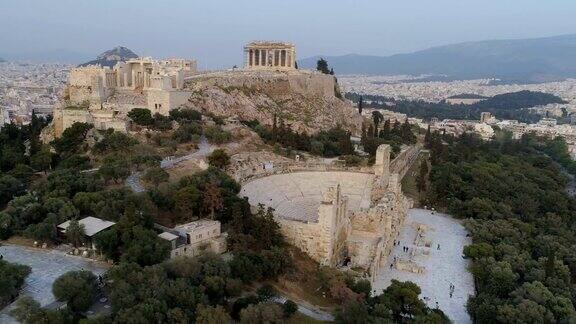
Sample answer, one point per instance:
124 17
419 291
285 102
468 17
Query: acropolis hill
269 86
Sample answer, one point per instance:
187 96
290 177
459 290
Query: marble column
276 58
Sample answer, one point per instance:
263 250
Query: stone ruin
334 216
269 86
263 55
103 96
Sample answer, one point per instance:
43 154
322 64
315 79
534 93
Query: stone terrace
441 267
296 196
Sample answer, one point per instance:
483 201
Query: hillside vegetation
505 106
522 222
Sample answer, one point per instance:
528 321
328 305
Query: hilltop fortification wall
307 101
273 83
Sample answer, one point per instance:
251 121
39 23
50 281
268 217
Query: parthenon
263 55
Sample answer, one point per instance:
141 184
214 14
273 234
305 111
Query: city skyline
213 33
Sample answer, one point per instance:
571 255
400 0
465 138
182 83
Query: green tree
187 203
219 158
363 287
109 243
77 288
212 315
353 312
156 175
28 311
114 167
322 66
141 116
401 298
212 200
72 138
41 160
114 141
9 188
290 308
161 122
377 118
143 246
215 134
262 313
12 278
266 292
75 162
75 233
185 115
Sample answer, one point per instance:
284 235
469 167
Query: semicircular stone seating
296 196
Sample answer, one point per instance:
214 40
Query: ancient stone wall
364 236
269 82
305 100
403 161
104 119
162 101
324 240
71 116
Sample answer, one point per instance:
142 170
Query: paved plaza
47 266
441 267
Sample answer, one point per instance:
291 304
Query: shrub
187 132
219 158
77 288
141 116
290 308
217 135
11 280
183 114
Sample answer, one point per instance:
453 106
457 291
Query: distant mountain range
2 60
527 60
113 56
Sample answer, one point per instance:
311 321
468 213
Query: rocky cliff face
307 101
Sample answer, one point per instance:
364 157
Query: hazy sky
213 31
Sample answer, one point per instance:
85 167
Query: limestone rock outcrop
306 100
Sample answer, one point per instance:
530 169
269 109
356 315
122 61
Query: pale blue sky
213 31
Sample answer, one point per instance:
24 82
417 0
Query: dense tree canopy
12 278
77 288
330 143
522 222
219 159
504 106
399 303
